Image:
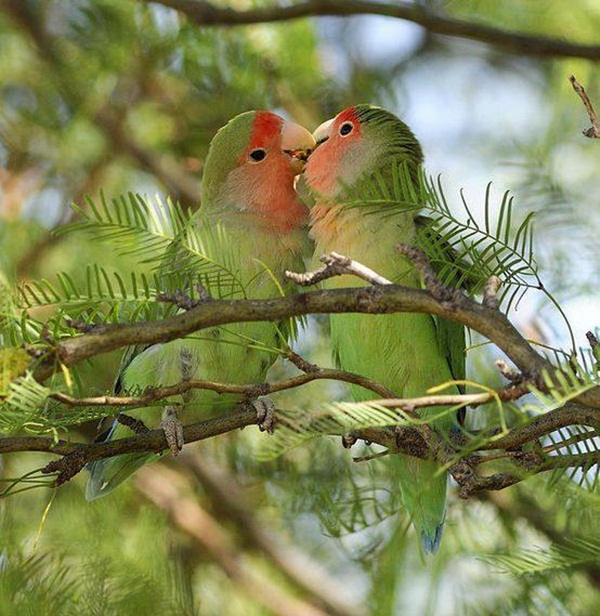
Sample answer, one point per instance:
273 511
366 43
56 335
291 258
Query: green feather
248 261
408 353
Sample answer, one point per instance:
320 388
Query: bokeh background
115 96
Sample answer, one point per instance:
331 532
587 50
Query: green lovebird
250 228
407 353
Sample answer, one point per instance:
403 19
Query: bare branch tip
507 372
303 279
593 132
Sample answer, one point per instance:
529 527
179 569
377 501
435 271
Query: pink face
264 153
276 151
338 141
263 180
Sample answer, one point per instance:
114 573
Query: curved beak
297 143
323 132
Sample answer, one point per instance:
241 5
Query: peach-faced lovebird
407 353
252 227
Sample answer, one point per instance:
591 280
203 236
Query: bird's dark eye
258 155
346 128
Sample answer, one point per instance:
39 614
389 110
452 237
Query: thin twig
135 425
508 373
77 455
500 481
337 265
594 131
458 400
449 296
349 266
541 425
248 390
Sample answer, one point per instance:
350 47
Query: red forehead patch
348 115
265 128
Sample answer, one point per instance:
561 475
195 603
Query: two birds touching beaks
255 225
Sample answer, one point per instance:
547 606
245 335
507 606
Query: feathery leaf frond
557 557
133 223
20 409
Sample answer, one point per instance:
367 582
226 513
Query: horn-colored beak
297 143
323 132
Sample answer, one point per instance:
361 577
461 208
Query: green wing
454 272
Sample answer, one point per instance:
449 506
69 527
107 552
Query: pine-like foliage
463 250
127 95
555 558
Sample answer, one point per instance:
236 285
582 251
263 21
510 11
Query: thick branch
209 14
77 455
367 300
418 440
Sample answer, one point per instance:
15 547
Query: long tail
424 496
109 473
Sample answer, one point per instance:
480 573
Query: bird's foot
265 413
173 430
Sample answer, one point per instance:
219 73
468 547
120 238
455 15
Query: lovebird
251 227
407 353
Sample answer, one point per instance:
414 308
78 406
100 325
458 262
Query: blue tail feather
109 473
431 544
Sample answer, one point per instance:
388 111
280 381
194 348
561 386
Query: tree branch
382 299
419 440
206 14
594 131
500 481
567 415
336 265
77 455
251 390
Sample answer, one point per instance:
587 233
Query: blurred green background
123 95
